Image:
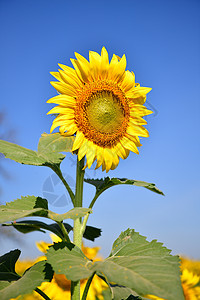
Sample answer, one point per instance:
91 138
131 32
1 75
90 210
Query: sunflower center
102 113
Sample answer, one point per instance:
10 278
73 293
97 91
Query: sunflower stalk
78 232
42 294
64 231
84 297
58 172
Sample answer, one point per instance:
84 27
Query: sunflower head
101 104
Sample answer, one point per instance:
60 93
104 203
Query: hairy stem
75 286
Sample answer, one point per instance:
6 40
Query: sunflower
102 105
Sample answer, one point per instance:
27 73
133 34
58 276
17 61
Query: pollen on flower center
102 113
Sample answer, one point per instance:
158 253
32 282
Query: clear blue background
161 42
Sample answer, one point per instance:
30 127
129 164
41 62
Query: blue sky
161 42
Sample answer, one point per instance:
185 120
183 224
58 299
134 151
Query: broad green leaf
106 183
23 207
32 278
27 226
120 292
55 142
131 297
74 213
4 284
142 266
91 233
29 157
145 267
36 206
7 265
68 259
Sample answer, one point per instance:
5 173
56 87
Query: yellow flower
100 103
59 287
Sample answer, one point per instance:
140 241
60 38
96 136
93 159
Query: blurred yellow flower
59 287
100 103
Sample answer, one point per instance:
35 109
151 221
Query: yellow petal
117 68
139 110
95 64
91 153
99 157
104 63
108 158
128 144
82 150
119 149
137 120
137 130
68 129
56 75
71 72
139 100
80 71
64 88
134 139
128 81
103 166
61 110
78 140
115 161
69 80
63 100
53 126
61 120
137 92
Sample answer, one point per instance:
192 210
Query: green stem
57 170
42 294
75 286
84 224
94 200
87 287
79 182
64 231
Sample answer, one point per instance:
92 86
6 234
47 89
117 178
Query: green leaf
7 265
91 233
23 207
32 278
27 226
120 292
29 157
107 182
36 206
48 154
145 267
68 259
74 213
142 266
55 143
